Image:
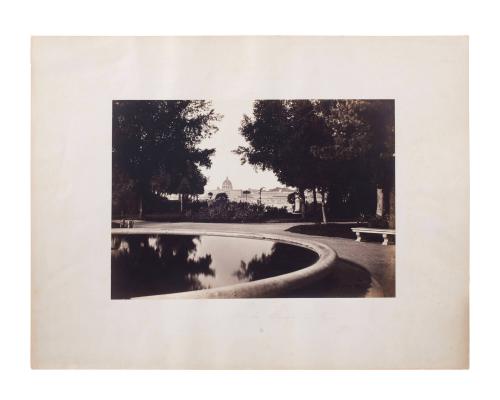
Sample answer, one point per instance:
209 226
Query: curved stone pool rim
268 287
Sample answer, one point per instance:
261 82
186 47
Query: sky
224 162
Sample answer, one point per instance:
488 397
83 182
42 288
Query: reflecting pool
146 265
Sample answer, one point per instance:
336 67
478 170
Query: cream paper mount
75 324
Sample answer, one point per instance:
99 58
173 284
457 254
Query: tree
343 144
334 147
192 183
246 193
359 146
155 146
280 134
292 198
221 198
121 193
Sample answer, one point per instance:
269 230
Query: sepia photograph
249 202
212 198
253 198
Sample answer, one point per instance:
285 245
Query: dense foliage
155 149
216 211
341 149
231 211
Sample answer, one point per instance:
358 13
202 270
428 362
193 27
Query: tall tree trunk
140 206
392 207
380 202
302 203
323 213
315 202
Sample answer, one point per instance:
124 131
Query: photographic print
262 198
249 202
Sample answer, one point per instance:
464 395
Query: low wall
269 287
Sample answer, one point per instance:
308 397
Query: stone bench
387 234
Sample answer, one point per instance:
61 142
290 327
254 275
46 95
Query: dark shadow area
144 265
147 265
283 259
346 280
342 230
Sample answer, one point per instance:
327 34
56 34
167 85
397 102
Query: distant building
277 197
227 185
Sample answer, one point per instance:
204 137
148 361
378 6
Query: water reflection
144 265
147 265
283 259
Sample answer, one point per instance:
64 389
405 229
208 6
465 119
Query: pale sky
224 162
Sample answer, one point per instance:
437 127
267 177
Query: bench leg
386 240
358 237
115 243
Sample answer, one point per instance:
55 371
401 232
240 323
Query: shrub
275 212
221 211
378 222
221 198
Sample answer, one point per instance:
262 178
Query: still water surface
145 265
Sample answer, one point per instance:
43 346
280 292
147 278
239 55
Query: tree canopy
221 197
332 146
156 145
